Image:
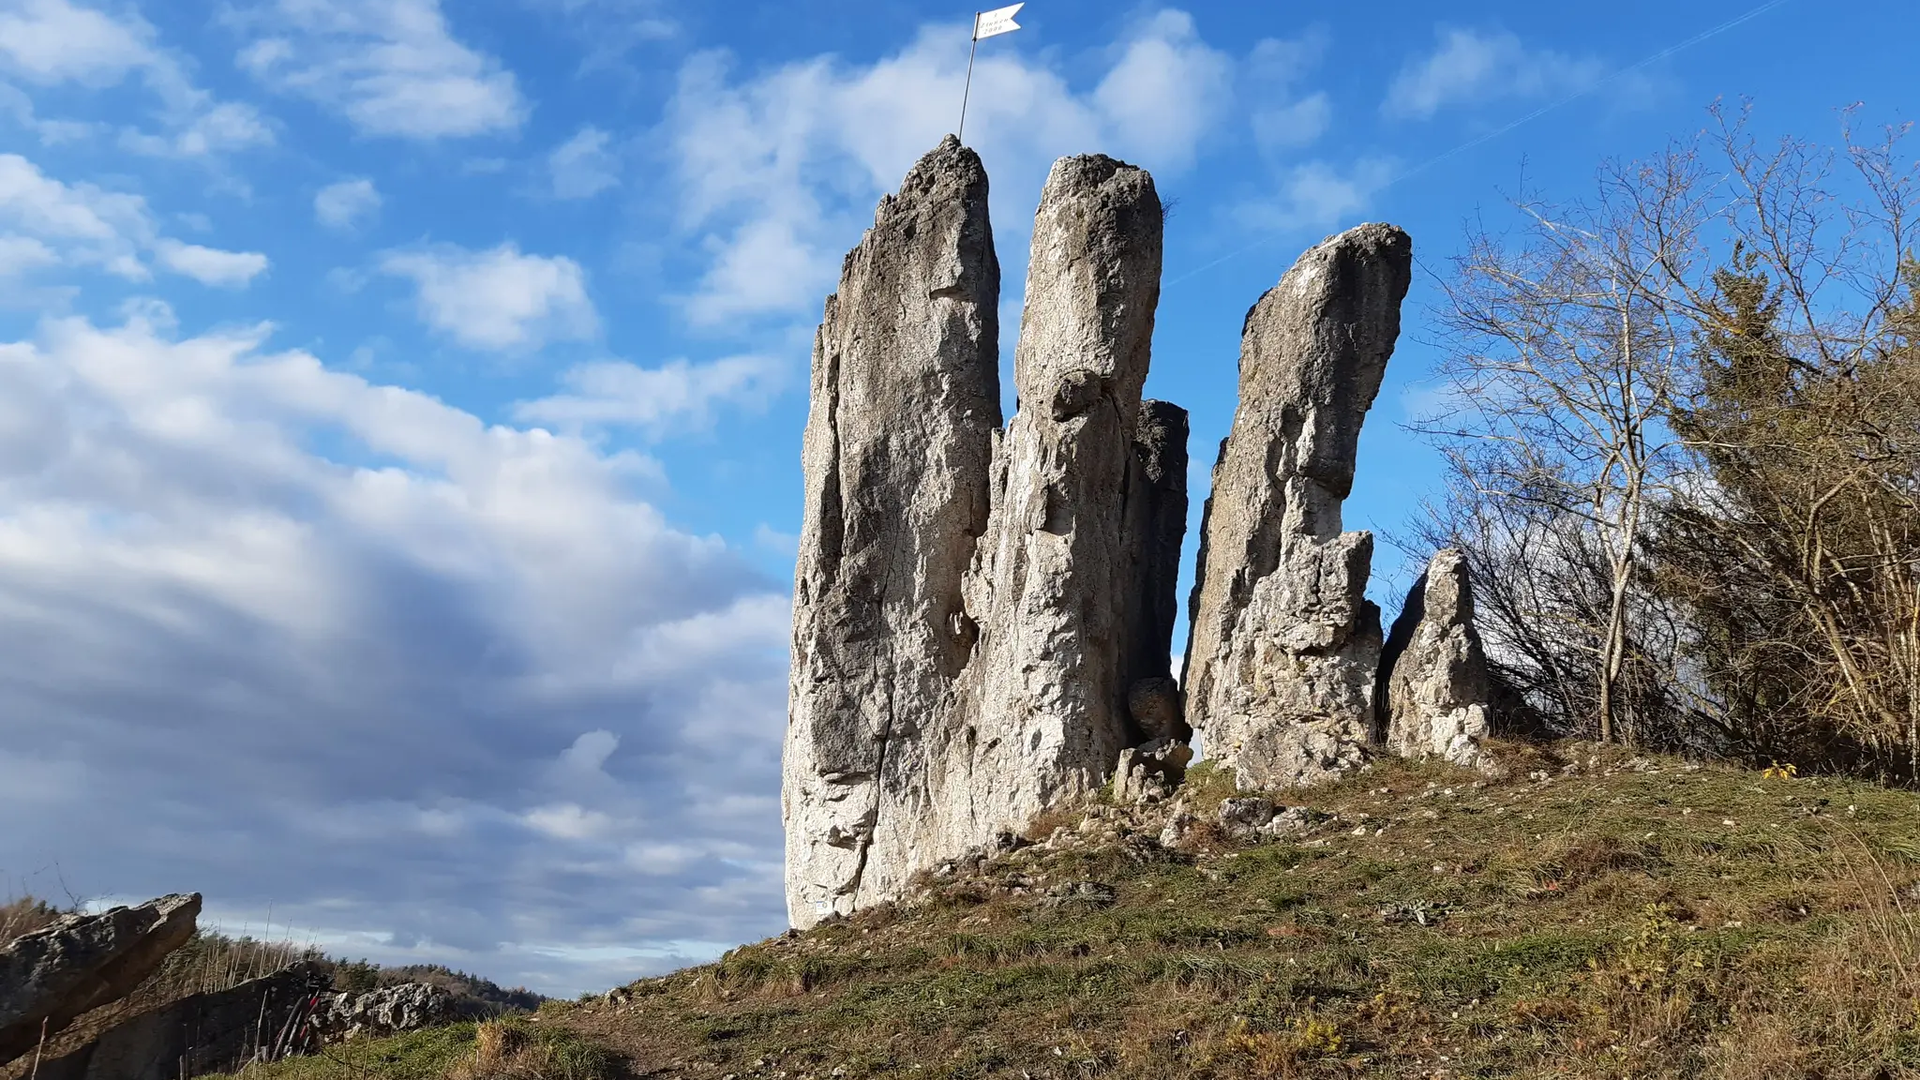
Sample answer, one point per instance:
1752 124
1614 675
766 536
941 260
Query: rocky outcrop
1434 687
389 1010
204 1033
1150 771
1078 535
1284 645
979 616
897 458
51 976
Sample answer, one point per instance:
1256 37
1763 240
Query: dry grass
1624 919
25 915
511 1049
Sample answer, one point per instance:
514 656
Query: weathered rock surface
389 1010
897 456
1284 645
82 962
1151 771
1078 535
1434 682
204 1033
974 610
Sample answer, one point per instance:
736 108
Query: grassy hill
1594 914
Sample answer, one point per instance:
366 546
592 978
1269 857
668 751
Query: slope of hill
1594 914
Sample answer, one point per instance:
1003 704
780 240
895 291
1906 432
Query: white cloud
1283 119
211 266
1166 92
84 224
184 578
19 254
568 821
45 222
391 67
498 299
607 30
785 544
589 752
776 171
1470 66
677 394
217 129
1316 196
344 204
52 42
582 167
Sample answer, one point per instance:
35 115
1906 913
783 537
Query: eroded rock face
1061 586
897 457
1434 672
975 609
1151 771
389 1010
204 1033
1284 644
83 962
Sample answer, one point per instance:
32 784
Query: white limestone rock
897 455
1059 586
1284 645
1437 692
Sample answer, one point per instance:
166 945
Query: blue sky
400 402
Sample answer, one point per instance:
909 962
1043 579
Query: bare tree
1564 350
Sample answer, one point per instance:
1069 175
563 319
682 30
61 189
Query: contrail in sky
1534 115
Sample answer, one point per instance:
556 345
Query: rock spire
1064 584
1284 646
1434 686
974 609
897 457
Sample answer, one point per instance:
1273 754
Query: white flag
998 21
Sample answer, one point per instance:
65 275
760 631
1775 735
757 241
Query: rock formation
897 456
1284 645
51 976
1434 686
973 609
1062 587
389 1010
1151 770
200 1034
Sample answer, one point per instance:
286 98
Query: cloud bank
440 690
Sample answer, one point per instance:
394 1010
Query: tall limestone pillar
1284 645
1060 568
973 606
897 452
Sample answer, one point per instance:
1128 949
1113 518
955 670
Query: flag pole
961 135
